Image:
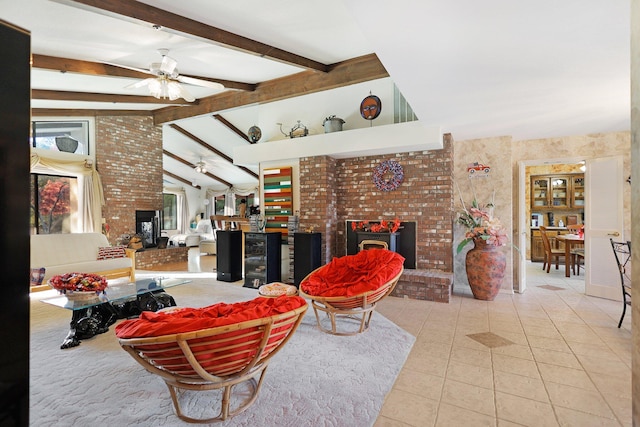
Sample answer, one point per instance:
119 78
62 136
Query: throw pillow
110 252
37 275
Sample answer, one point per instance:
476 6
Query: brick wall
153 258
318 200
332 191
129 160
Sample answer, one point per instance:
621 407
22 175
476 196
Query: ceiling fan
166 83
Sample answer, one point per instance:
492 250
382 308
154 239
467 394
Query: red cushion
152 324
229 352
355 274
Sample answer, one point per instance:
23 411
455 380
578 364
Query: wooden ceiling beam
185 162
59 95
83 67
137 12
356 70
179 178
202 143
231 127
70 112
65 65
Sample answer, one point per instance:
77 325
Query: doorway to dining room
603 195
547 198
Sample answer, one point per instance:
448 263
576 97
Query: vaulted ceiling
477 69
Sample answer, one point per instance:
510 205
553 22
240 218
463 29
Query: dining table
569 241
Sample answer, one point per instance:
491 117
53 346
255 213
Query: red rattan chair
217 358
357 306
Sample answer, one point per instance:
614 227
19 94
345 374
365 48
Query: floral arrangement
481 224
78 282
383 226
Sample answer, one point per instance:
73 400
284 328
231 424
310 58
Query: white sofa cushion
87 267
75 252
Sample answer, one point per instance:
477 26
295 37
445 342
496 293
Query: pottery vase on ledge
485 266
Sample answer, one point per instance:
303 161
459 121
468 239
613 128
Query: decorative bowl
78 283
80 296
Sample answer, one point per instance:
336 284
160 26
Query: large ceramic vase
485 269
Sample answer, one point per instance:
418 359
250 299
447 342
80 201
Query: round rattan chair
216 358
359 307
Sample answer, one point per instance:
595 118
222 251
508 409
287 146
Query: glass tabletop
116 292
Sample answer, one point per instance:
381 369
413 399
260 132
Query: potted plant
485 262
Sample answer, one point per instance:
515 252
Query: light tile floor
551 356
548 357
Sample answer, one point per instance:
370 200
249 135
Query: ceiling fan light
155 88
201 167
173 90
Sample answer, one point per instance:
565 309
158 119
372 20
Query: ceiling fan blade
141 83
126 67
199 82
175 91
168 65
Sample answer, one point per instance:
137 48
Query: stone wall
129 160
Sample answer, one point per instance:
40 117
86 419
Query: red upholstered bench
350 286
215 347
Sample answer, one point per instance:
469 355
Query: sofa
203 231
80 252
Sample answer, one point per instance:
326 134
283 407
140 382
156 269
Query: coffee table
93 316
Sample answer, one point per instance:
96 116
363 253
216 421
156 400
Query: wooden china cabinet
561 193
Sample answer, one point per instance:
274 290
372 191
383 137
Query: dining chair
622 252
577 252
549 252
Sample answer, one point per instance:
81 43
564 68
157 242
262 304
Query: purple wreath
388 166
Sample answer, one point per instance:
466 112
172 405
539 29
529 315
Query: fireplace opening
404 244
148 227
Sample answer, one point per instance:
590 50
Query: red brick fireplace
333 191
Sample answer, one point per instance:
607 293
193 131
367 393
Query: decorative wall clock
388 175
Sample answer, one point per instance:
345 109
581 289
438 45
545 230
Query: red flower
383 226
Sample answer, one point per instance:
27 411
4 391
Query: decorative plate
370 107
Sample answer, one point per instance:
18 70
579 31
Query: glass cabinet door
560 192
577 195
540 192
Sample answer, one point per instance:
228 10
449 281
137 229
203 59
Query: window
72 136
54 204
219 205
170 212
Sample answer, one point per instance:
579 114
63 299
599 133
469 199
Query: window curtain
230 196
211 195
230 203
92 196
182 207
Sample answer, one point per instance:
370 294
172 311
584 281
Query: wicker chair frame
359 307
212 359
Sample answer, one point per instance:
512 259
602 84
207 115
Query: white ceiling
476 69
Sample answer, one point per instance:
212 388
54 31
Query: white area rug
317 379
